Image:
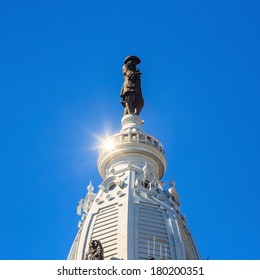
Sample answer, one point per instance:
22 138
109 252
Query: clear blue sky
60 78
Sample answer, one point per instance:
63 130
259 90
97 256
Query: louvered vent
106 230
190 251
152 233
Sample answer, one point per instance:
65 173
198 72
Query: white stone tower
133 214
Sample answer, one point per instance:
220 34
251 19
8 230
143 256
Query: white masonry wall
132 215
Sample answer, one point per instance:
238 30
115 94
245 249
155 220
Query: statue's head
94 244
132 59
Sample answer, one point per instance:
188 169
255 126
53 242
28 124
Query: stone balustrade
131 137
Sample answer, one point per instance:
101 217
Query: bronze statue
131 93
95 251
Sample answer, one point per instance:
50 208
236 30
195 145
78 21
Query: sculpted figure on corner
95 251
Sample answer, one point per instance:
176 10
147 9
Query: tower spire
133 215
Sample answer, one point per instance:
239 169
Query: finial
172 183
90 187
145 168
131 92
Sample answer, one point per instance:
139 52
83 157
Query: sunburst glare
99 140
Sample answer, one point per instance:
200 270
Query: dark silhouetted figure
131 92
95 251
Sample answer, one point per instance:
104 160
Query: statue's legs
129 104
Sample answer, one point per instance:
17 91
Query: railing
132 137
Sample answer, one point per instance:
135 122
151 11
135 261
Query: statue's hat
134 58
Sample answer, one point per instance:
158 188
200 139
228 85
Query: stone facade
133 215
